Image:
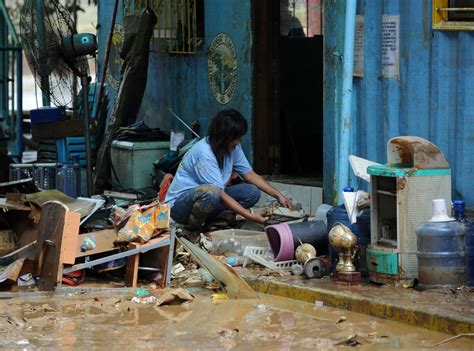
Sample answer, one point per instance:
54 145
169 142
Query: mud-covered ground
111 321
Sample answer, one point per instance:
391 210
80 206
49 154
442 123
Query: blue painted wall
180 82
431 99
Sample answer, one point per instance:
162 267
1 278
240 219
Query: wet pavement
110 320
444 309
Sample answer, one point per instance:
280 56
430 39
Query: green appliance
402 192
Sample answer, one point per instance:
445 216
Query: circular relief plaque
115 62
222 68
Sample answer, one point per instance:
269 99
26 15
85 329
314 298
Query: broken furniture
402 192
59 247
161 260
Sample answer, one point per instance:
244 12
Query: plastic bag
142 225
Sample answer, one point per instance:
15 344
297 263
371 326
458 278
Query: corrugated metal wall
180 82
431 99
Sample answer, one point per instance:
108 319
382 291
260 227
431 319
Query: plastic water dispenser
402 192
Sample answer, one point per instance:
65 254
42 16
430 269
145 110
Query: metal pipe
346 103
183 122
42 47
19 104
11 28
106 62
85 108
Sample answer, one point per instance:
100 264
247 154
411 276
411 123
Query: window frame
440 19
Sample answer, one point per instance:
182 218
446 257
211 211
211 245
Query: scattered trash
316 267
304 252
235 260
350 341
410 283
297 269
227 338
144 222
144 300
219 297
88 243
177 268
264 256
319 303
454 338
205 242
23 342
12 272
141 292
261 307
26 281
206 277
235 286
234 241
174 297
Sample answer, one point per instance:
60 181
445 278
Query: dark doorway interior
301 112
288 110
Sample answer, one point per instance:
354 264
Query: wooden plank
131 274
159 260
120 195
27 251
163 253
60 129
104 240
9 205
49 265
70 237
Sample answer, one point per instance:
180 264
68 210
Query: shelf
384 192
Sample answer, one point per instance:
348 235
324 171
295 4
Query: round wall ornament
222 68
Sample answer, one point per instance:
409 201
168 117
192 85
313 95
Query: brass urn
342 238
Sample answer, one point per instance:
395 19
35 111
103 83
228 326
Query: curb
444 323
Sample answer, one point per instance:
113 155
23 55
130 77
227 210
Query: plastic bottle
88 243
235 260
206 277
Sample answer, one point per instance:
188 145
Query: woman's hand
282 200
260 218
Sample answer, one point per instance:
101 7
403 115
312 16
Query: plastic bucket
284 238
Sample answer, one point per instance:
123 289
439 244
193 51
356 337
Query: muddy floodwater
111 321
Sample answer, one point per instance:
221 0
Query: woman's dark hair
226 126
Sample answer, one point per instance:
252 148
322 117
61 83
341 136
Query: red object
164 186
74 278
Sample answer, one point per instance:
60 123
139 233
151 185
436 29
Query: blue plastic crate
46 115
63 150
43 174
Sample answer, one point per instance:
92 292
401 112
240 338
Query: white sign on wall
390 47
359 47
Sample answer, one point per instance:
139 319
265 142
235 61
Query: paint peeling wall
180 82
431 98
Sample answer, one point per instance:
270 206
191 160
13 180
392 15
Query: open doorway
288 71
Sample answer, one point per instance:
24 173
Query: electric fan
57 57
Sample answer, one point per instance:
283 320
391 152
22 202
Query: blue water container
459 214
441 254
361 230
